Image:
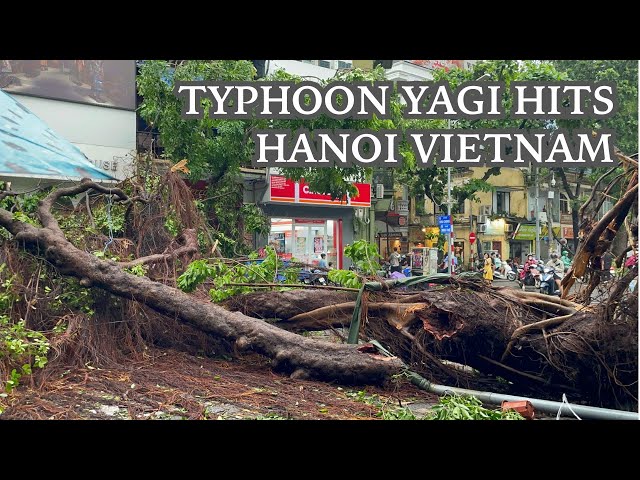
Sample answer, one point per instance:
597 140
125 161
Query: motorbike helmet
564 252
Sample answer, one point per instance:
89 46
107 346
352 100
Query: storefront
305 224
524 240
306 238
521 244
387 242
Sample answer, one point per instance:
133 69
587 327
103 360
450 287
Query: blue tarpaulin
29 148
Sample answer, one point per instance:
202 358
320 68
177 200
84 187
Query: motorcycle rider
444 267
531 260
497 263
558 267
556 263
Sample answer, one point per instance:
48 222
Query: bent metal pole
546 406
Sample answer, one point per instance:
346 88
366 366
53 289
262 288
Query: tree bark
290 353
508 333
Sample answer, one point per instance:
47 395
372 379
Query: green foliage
7 294
197 272
254 219
103 255
172 225
624 73
217 148
386 411
27 203
364 256
23 217
335 181
432 181
113 216
73 296
345 278
21 350
222 274
138 270
457 407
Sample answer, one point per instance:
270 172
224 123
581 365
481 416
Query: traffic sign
444 222
472 238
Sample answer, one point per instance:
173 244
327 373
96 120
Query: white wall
106 135
407 71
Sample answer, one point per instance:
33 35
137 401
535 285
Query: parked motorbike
548 283
315 277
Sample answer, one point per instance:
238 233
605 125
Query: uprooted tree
451 331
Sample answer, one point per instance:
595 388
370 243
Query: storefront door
310 239
305 239
497 246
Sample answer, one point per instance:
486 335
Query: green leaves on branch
364 256
271 269
21 349
345 278
196 273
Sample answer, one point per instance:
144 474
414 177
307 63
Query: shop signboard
528 232
567 232
287 191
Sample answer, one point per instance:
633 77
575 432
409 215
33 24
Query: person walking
394 260
488 268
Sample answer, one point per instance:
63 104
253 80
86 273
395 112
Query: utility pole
450 242
537 195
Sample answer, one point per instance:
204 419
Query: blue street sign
444 222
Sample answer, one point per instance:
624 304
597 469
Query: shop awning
29 148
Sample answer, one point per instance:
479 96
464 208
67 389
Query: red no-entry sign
472 238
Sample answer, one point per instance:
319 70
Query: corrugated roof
30 148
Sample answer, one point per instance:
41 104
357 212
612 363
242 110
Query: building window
324 63
437 210
564 204
460 207
501 202
342 64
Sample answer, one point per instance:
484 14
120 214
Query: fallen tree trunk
530 340
290 353
540 343
287 304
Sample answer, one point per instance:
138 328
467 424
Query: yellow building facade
494 219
